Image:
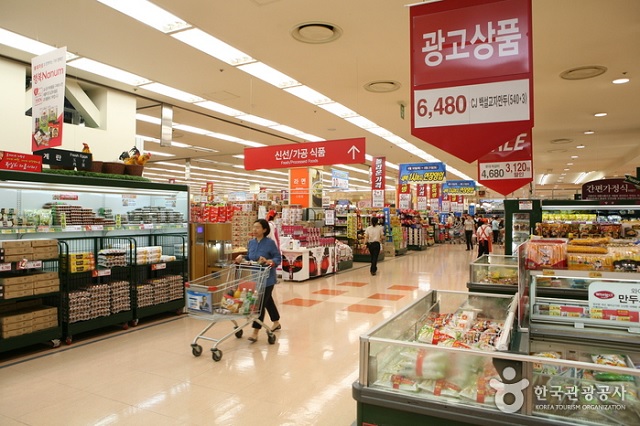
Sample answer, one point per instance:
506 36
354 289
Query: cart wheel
134 322
271 339
196 350
68 340
55 343
239 333
125 326
216 354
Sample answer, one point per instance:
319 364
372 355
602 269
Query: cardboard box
44 325
46 320
45 276
44 311
45 253
45 290
15 244
18 332
14 251
17 317
44 243
46 283
7 294
18 257
78 256
16 286
16 325
18 279
84 268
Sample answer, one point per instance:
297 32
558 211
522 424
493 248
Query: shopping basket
232 294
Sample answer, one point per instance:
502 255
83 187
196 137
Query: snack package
543 254
423 365
545 368
397 381
614 360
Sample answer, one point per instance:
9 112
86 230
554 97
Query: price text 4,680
447 105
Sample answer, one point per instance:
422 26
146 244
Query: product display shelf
18 331
492 273
94 296
605 309
406 378
125 201
159 281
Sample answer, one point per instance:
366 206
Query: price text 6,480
447 105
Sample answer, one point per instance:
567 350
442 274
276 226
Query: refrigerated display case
494 273
520 220
599 307
409 374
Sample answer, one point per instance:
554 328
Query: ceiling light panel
148 13
286 129
256 120
108 71
212 46
308 94
361 122
171 92
338 109
26 44
310 138
148 119
222 109
269 75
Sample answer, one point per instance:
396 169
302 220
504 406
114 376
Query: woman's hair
265 226
374 221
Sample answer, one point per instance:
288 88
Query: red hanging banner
378 179
509 167
472 80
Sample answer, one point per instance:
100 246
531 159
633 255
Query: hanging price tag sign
101 273
158 266
506 170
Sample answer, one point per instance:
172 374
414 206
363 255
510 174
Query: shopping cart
457 234
233 294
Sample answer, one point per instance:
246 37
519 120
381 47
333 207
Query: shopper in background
484 237
469 229
495 227
273 234
373 238
263 250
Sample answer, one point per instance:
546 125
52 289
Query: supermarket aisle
147 376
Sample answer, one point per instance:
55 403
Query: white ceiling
374 46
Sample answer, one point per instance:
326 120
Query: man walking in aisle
469 228
484 237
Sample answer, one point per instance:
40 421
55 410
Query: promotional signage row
471 74
423 173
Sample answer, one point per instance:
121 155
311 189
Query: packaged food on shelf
546 254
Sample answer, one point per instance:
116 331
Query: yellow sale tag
595 274
549 272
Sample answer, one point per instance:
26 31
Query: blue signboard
423 173
459 187
339 179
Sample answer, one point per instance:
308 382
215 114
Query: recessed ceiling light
574 156
569 164
580 146
589 132
581 73
382 86
316 32
600 114
620 80
566 170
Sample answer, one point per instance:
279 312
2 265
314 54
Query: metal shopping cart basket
234 294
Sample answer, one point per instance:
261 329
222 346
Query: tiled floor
148 376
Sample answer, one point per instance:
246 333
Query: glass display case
600 307
441 361
494 273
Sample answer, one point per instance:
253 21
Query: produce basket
133 169
113 168
96 166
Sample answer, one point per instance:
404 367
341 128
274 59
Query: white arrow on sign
353 150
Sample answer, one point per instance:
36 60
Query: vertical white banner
48 73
